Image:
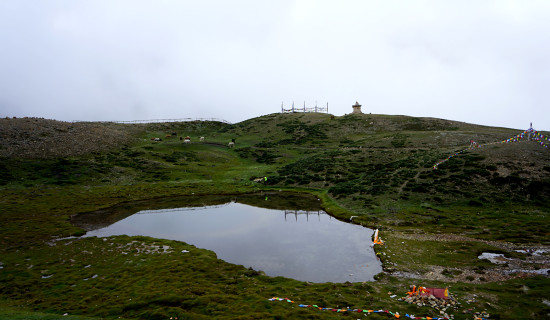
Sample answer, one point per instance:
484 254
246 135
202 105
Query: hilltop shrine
356 108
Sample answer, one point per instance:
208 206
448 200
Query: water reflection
280 234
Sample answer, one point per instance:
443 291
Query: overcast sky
483 62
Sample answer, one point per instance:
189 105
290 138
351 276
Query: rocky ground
43 138
536 261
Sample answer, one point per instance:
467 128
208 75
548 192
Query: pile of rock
442 305
481 315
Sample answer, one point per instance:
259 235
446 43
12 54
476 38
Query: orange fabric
436 292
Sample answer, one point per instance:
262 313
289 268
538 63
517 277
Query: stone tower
356 108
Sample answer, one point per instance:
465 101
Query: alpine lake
279 233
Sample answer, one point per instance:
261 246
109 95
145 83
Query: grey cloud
484 62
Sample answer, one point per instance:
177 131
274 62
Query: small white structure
356 108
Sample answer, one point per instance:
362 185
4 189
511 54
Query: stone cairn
421 299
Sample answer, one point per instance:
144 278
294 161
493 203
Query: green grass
123 276
374 167
18 313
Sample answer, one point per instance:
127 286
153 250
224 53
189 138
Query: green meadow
378 168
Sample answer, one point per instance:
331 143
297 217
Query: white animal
201 139
231 144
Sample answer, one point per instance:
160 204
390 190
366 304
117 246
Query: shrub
475 203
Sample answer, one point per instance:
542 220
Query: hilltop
43 138
377 168
46 138
364 155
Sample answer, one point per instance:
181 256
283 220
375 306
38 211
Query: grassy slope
376 167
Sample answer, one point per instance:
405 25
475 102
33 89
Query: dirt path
400 189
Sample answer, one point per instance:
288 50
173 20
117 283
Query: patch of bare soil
43 138
535 262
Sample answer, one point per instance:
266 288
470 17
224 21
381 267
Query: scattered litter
184 251
48 276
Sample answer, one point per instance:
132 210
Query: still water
305 244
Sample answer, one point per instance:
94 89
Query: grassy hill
378 168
